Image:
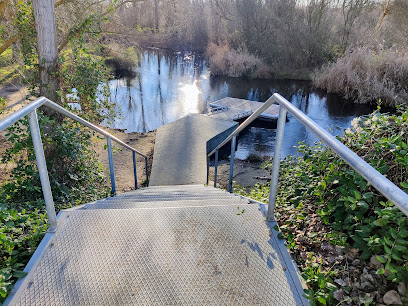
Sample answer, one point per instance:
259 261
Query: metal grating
179 256
171 198
129 204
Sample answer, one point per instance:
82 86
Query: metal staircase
171 245
176 245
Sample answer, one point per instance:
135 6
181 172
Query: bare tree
351 9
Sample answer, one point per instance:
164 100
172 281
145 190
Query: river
169 86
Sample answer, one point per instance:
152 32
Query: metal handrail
31 110
218 109
392 192
243 114
42 101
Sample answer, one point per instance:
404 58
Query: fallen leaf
392 298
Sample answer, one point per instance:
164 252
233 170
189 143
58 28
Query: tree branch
7 42
66 39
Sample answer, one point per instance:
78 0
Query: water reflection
169 86
191 97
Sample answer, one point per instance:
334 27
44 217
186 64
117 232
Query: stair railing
242 115
31 110
217 109
393 193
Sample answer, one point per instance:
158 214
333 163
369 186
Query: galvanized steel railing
31 110
394 194
218 109
242 115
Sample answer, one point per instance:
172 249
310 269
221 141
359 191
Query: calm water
169 86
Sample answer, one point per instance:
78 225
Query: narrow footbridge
185 243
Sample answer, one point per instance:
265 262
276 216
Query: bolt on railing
31 110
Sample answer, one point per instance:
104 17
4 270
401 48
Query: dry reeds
231 63
368 76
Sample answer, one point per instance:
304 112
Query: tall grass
231 63
368 76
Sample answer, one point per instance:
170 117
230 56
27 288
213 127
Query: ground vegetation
350 242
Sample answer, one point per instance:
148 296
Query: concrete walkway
180 149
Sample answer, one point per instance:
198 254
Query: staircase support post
134 168
216 168
233 145
42 169
111 168
208 169
276 163
147 171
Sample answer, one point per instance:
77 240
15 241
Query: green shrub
322 200
76 175
20 233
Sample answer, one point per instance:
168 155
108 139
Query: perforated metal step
129 204
185 256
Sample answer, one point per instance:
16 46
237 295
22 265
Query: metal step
130 204
171 189
170 198
215 255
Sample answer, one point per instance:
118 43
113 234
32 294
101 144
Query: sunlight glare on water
169 86
191 94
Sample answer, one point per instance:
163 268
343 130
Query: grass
8 67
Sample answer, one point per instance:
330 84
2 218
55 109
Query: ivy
322 200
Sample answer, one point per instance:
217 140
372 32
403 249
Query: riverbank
15 96
247 174
122 157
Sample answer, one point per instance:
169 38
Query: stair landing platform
216 249
240 109
180 150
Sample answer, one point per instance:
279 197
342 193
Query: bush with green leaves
23 219
20 233
76 175
321 199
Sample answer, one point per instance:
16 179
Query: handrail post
276 163
233 144
111 168
208 169
134 168
216 168
42 169
147 172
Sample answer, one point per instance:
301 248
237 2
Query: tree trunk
44 14
156 14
